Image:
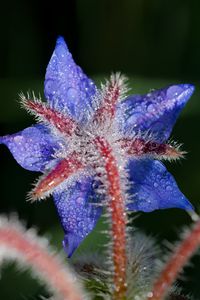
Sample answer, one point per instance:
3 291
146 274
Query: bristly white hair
30 250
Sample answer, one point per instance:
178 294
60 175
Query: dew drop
174 91
168 188
80 200
72 94
18 139
50 88
151 108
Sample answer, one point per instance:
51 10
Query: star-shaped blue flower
65 145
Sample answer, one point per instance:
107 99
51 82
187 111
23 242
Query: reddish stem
176 263
116 205
31 251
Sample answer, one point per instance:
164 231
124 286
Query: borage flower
83 130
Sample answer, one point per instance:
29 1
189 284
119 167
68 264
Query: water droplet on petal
50 88
72 94
151 108
80 200
168 188
174 91
18 138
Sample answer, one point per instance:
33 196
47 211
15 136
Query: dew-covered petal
33 147
78 212
156 111
153 187
66 86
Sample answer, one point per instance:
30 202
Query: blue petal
32 147
77 211
154 187
155 112
66 86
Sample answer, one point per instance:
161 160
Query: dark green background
154 42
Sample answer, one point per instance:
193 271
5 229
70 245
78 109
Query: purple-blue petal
66 86
78 212
153 187
33 147
156 111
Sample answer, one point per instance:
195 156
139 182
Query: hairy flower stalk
27 248
176 263
116 206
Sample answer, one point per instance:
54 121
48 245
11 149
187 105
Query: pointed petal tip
188 88
186 205
71 243
60 40
181 91
4 139
60 43
33 147
157 189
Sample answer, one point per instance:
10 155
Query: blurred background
154 42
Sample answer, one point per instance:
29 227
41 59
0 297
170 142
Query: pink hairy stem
117 209
46 265
176 263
